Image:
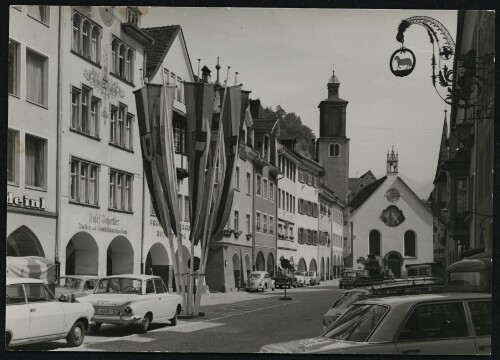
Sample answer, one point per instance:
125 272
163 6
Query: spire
443 151
392 161
217 67
333 85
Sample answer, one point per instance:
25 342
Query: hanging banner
199 107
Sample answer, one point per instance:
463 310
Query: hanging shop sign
402 62
26 202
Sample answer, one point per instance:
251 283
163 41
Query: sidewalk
242 295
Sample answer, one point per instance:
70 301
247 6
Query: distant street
248 324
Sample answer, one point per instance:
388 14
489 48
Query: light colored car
348 278
340 306
132 299
259 280
314 278
426 324
74 286
33 314
302 278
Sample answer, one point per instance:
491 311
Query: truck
285 279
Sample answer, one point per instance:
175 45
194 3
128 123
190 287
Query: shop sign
25 201
101 223
185 228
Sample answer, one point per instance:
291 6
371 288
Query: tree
372 264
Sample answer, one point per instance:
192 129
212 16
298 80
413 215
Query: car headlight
127 310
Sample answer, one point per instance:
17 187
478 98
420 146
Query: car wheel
76 334
144 325
95 328
295 285
173 321
7 339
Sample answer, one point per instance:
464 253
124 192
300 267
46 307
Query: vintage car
347 278
33 314
426 324
283 279
70 287
132 299
302 278
259 280
314 278
470 274
425 270
340 306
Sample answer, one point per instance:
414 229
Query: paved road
242 326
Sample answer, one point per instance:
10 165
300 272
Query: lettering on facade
185 228
101 223
26 202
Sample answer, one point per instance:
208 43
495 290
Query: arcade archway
302 265
120 257
260 262
270 264
82 255
158 263
23 242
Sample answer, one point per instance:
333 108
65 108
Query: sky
286 57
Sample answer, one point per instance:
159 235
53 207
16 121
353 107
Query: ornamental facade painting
392 216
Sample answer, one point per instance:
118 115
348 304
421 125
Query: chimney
205 74
313 143
255 108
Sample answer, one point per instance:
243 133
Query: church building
390 221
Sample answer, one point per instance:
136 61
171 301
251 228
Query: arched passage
394 261
158 263
302 265
322 268
270 264
23 242
248 264
82 255
120 257
260 262
236 270
328 269
313 265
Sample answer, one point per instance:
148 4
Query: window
259 184
40 13
14 74
236 220
374 238
271 224
283 200
84 111
300 236
13 157
86 39
301 175
264 188
133 15
293 204
248 224
123 60
179 204
160 289
481 317
121 126
84 182
179 137
264 219
237 178
179 93
36 78
271 191
173 79
35 161
186 208
435 321
257 220
333 150
410 243
287 202
15 294
249 184
120 190
279 198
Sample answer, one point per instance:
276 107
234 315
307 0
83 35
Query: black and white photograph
195 179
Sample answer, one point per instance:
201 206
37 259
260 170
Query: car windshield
357 323
311 273
119 286
349 274
346 299
255 276
467 279
70 283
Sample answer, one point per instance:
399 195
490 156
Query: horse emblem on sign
402 62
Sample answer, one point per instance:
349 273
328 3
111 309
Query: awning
31 267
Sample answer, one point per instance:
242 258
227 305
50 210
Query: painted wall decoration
392 216
392 195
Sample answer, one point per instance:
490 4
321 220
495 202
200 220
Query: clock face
107 14
392 195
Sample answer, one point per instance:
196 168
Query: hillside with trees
291 126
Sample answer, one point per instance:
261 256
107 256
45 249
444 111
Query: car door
438 328
17 314
150 300
47 314
165 306
480 315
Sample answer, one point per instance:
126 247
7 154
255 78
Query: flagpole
210 216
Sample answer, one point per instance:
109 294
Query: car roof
134 276
14 280
410 299
258 272
84 277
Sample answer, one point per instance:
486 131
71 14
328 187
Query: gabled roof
163 37
264 124
352 183
364 194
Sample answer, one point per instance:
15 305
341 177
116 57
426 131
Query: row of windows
287 167
308 177
286 201
308 208
285 232
337 240
264 223
375 243
86 39
248 182
265 188
325 210
306 236
173 80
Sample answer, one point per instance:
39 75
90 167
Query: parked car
363 278
74 286
302 278
470 274
33 314
314 278
259 280
132 299
347 278
425 270
283 279
426 324
340 306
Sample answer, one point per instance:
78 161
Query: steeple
217 67
443 151
333 86
392 161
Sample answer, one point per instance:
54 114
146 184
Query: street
261 320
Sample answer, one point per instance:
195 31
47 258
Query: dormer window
133 15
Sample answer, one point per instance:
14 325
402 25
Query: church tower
332 146
392 162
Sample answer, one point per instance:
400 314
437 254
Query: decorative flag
199 106
245 97
154 112
230 123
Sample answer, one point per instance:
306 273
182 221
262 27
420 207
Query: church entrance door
394 263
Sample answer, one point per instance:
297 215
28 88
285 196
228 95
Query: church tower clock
333 145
